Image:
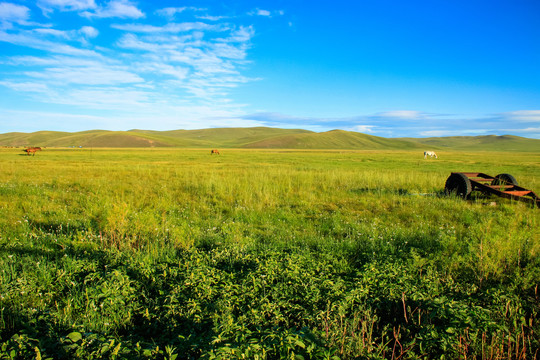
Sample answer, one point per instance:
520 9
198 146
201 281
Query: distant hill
334 139
487 143
262 137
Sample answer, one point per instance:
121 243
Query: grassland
264 254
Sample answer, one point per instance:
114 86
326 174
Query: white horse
430 154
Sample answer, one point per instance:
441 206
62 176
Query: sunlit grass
107 240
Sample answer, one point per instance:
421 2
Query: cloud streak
48 6
123 9
409 123
13 13
175 70
529 116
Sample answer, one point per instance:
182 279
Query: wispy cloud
261 12
99 74
123 9
38 40
402 114
89 32
363 128
13 13
405 123
49 6
527 132
266 13
171 12
449 132
207 64
211 17
67 5
168 28
31 87
532 116
174 70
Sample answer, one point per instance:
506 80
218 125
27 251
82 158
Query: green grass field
170 253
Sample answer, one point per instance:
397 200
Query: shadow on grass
60 228
88 272
400 192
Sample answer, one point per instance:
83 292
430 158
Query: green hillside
488 142
262 138
39 138
335 139
221 137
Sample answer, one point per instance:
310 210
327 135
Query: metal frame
484 183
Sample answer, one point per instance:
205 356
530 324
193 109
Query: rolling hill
334 139
262 138
487 142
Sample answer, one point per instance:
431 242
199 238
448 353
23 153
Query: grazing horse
430 154
214 151
32 150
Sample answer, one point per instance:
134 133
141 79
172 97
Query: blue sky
412 68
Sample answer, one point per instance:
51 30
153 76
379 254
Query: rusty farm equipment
504 185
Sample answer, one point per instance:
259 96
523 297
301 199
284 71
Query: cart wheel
458 184
502 179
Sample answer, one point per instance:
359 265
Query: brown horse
214 151
32 150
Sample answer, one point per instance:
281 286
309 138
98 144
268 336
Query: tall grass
264 254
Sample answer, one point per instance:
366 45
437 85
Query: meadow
264 254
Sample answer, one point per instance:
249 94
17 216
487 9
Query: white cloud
169 28
142 114
263 12
55 60
106 98
440 133
123 9
10 13
32 40
170 12
260 12
88 75
67 5
266 13
229 52
402 114
523 115
526 131
363 128
211 18
89 31
179 72
48 6
461 132
82 35
206 67
132 42
243 34
31 87
53 33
